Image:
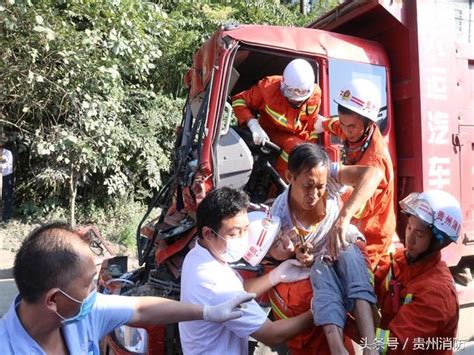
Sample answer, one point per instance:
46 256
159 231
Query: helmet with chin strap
298 80
361 96
439 210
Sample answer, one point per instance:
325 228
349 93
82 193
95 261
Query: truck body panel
432 95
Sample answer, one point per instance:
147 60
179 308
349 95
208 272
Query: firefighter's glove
318 124
259 136
227 310
288 271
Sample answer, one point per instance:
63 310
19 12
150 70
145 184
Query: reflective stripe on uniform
388 278
277 311
284 156
371 277
311 109
239 102
331 122
381 338
408 298
280 119
313 135
359 213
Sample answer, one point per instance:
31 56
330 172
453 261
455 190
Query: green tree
75 79
92 90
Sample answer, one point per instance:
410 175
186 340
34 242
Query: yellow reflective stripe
408 298
331 122
313 135
284 156
382 335
371 277
311 109
359 213
277 310
280 119
239 102
388 278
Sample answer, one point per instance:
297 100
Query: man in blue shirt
58 310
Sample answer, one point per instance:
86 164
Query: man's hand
303 254
337 237
288 271
227 310
259 136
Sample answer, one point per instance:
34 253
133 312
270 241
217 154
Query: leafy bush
76 80
91 91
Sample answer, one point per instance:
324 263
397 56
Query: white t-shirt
206 281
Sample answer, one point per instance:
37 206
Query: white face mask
235 248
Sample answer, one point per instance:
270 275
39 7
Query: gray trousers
337 285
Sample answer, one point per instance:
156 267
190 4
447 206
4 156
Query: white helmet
361 96
262 232
439 209
298 80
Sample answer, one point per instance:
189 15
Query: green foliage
191 23
91 90
76 79
118 221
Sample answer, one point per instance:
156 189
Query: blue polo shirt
82 337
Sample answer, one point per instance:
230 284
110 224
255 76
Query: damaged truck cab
406 48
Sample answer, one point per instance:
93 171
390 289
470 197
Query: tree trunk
303 7
72 200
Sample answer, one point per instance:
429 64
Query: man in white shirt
58 310
7 179
222 227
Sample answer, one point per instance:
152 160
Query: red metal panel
310 41
291 39
437 55
466 140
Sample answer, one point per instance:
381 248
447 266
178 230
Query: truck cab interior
240 163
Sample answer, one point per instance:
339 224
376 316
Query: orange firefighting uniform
376 220
285 126
293 299
428 305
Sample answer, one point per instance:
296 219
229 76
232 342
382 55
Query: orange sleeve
247 103
334 127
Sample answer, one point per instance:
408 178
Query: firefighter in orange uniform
415 289
363 144
286 106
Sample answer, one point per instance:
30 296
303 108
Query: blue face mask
86 307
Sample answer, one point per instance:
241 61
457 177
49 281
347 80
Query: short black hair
345 111
46 259
305 157
219 204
